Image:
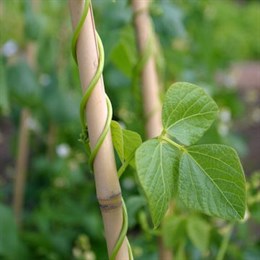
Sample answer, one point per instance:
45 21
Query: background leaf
157 167
134 204
173 230
180 254
199 232
125 142
187 112
10 245
211 180
4 97
124 55
23 84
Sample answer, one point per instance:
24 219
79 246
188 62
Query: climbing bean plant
205 177
208 177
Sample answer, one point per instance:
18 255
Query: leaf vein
216 186
212 157
178 104
188 117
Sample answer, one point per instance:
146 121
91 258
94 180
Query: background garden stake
23 144
21 165
150 83
88 54
189 164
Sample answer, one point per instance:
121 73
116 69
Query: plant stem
21 165
124 165
180 147
105 173
51 140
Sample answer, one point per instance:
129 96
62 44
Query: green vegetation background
61 218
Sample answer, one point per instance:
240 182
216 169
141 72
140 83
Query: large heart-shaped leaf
187 112
157 171
211 180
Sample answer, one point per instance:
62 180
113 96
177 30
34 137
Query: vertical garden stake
24 135
150 83
21 165
96 110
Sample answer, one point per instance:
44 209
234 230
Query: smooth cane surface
100 140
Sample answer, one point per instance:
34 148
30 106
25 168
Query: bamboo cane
23 143
150 86
21 165
105 173
150 83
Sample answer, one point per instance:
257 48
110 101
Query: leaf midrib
178 104
188 117
161 165
162 196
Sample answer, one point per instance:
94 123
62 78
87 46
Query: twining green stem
121 235
102 136
77 31
125 164
168 140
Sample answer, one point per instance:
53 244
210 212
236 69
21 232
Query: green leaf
125 142
134 204
199 232
187 112
180 254
121 59
32 28
157 169
23 84
124 55
9 242
8 231
4 97
173 230
211 180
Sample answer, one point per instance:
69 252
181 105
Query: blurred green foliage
61 218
